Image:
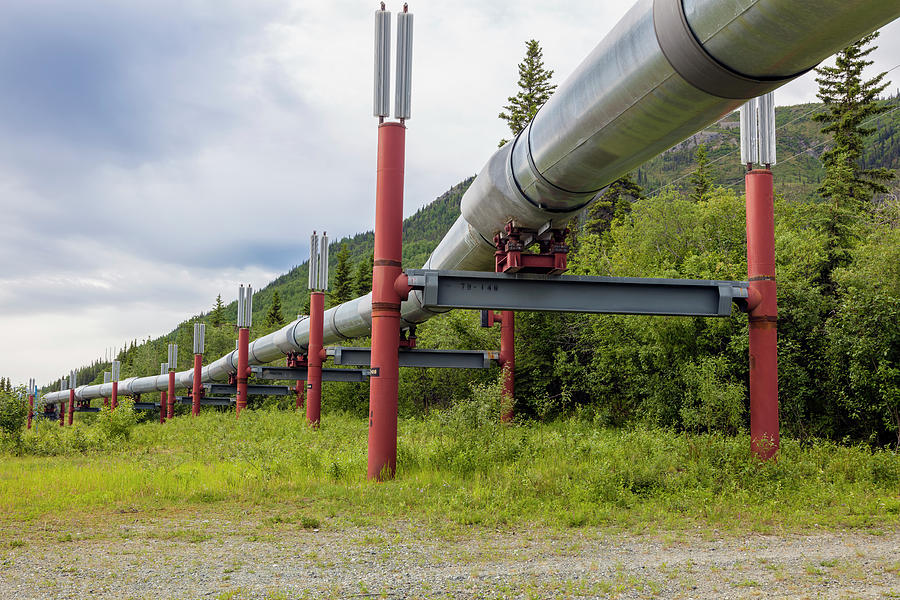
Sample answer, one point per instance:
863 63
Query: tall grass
454 467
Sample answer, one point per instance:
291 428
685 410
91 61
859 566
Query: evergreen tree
306 309
343 285
615 203
362 281
701 179
274 318
534 90
217 317
849 102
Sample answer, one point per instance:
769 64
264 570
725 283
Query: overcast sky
154 153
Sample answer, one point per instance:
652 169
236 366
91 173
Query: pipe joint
402 287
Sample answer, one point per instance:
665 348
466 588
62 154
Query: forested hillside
839 338
799 171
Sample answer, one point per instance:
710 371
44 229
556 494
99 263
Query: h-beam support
244 322
385 378
242 369
195 385
114 376
197 379
507 360
763 313
508 363
314 357
295 361
172 365
31 392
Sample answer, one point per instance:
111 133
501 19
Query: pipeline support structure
689 63
763 313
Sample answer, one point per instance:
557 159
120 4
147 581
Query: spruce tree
534 90
362 281
342 287
849 102
701 179
306 309
615 203
274 318
217 317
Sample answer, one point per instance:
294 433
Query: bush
13 412
117 424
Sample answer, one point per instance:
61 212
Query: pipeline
668 69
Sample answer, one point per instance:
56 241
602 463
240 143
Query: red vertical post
314 358
71 406
300 390
170 410
114 399
162 407
30 409
385 379
508 363
763 314
195 385
242 369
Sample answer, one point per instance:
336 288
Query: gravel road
129 556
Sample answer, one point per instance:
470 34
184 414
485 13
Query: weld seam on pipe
685 53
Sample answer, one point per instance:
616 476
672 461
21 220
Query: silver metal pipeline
668 69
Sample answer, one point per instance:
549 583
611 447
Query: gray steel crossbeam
448 359
300 374
252 390
207 400
568 293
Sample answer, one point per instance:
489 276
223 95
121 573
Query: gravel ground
130 556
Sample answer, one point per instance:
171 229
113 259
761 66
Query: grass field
457 468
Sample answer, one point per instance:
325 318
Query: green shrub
13 412
117 424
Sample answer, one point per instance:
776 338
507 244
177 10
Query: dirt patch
136 556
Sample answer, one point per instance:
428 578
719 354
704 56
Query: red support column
114 399
300 391
162 406
242 369
763 313
314 358
508 363
30 409
296 361
71 406
195 385
170 411
385 379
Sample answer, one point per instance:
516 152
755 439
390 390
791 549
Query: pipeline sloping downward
668 69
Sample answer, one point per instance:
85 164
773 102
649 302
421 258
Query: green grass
455 469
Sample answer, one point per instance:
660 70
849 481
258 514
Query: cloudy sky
154 153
